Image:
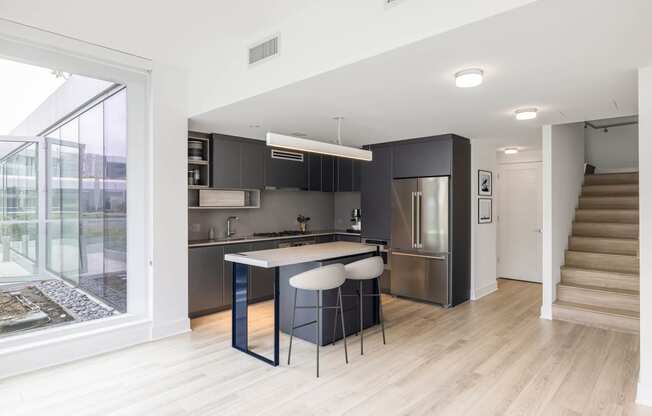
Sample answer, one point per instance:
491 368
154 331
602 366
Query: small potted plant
303 223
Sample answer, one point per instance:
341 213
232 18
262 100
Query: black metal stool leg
380 310
346 353
317 329
361 322
294 312
337 310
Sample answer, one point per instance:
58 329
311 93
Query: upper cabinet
429 156
238 162
252 168
249 164
376 193
286 169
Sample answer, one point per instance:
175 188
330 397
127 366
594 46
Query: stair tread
613 239
598 309
602 254
607 223
622 274
601 289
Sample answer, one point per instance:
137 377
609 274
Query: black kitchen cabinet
327 173
344 175
357 172
431 156
344 237
286 173
252 167
227 267
314 172
376 194
226 161
261 281
205 280
238 162
325 239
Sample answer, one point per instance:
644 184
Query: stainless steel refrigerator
420 239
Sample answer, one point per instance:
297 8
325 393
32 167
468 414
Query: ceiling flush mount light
285 141
526 113
469 78
511 151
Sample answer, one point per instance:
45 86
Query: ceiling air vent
264 50
286 155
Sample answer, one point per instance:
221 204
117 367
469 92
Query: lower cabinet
205 280
344 237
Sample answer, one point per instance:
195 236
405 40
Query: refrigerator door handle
418 214
412 223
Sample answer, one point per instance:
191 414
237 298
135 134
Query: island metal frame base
239 310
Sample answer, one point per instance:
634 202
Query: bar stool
361 270
317 280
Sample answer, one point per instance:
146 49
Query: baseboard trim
644 394
169 329
484 291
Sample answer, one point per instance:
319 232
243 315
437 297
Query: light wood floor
490 357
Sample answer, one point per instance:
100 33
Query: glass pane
115 198
69 159
53 214
19 214
92 188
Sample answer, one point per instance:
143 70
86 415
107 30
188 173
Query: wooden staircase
600 278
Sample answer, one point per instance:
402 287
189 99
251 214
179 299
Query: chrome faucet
229 231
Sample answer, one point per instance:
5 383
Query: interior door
519 221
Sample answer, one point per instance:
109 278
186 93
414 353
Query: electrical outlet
195 228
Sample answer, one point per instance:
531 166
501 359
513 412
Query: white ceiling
571 59
166 31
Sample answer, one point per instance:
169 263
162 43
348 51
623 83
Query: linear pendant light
285 141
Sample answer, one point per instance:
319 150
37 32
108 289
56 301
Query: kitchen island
288 262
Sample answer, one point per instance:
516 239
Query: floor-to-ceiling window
63 202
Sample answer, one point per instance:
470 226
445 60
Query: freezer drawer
420 277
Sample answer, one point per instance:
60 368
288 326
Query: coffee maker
356 224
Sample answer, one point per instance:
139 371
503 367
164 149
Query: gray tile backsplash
278 211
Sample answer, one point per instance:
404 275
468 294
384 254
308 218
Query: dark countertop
251 238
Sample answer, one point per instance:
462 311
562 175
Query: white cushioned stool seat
365 269
321 278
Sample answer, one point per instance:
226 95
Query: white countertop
301 254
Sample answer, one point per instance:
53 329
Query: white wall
483 236
644 395
563 174
616 150
169 203
524 156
